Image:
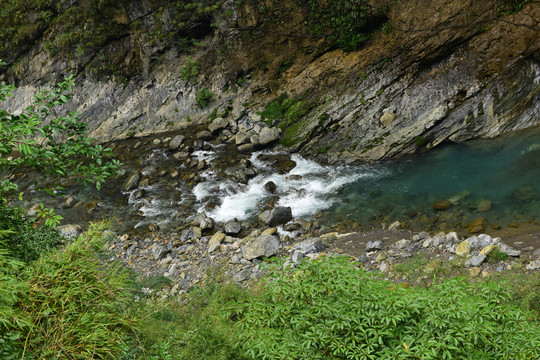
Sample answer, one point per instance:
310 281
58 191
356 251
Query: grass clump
330 309
68 304
190 70
287 111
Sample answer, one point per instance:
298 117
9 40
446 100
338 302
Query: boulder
396 225
533 265
176 142
268 135
463 249
278 215
508 250
218 124
475 261
310 246
265 245
270 186
203 135
203 222
232 227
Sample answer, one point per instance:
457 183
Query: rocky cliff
429 71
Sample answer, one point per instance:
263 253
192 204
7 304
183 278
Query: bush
190 70
204 97
67 305
330 309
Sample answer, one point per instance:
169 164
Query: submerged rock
442 205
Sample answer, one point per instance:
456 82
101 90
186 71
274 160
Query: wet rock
139 194
268 135
477 225
463 249
232 227
203 135
278 215
68 202
91 207
270 187
484 205
241 138
442 205
281 162
203 222
292 227
215 241
264 245
374 245
176 142
396 225
246 148
218 124
131 182
70 231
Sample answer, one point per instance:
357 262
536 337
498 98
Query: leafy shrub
284 109
330 309
190 70
75 303
25 241
204 97
495 256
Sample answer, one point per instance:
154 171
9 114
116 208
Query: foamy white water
312 191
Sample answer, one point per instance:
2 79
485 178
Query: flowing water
494 179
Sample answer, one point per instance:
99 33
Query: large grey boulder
232 227
265 245
276 216
268 135
218 124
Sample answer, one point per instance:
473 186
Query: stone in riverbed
203 135
475 261
203 221
278 215
176 142
70 231
232 227
484 205
264 245
477 225
218 124
508 250
131 182
270 187
442 205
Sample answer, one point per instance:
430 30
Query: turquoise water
505 171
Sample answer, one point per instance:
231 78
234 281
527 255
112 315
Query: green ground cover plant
331 309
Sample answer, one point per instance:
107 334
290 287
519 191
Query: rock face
429 80
265 245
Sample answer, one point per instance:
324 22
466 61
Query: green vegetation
344 22
495 256
509 7
190 70
68 303
285 110
204 97
330 309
